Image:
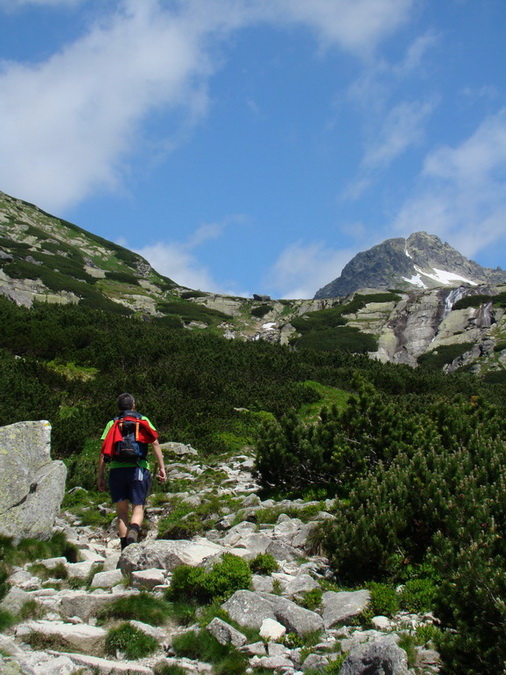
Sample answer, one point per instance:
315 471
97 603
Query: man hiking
125 444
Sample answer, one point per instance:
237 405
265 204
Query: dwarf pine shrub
196 583
263 563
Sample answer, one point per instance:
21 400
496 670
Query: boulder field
62 635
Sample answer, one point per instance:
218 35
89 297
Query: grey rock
180 449
225 633
272 630
380 657
40 663
255 649
86 605
295 618
300 584
107 579
95 664
316 662
80 570
248 609
282 551
274 663
14 600
166 554
148 579
262 584
80 637
343 606
32 486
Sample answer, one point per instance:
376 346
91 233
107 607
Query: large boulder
340 608
376 658
166 554
32 485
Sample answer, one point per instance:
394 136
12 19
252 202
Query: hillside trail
217 504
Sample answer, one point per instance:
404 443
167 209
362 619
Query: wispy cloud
179 260
401 129
70 124
461 191
301 269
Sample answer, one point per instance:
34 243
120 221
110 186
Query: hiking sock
124 543
133 533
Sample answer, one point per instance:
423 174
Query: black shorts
130 482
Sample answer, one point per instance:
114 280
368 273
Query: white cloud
355 25
69 125
302 269
178 263
461 192
401 128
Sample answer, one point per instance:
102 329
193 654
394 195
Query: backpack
127 439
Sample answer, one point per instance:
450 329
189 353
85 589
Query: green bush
130 641
261 311
384 599
418 595
195 583
143 607
437 358
263 563
312 599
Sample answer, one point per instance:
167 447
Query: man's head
126 402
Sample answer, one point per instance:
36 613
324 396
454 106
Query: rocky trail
64 636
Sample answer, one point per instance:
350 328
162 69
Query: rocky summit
60 604
422 261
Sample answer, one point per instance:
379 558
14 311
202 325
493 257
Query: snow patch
446 278
269 326
416 281
408 255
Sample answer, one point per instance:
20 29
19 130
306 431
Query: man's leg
122 513
135 524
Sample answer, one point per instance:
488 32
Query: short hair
126 402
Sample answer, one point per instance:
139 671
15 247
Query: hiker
124 445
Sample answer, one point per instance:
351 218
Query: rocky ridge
65 610
422 261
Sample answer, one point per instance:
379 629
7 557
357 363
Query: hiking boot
132 534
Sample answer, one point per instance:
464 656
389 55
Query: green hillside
413 458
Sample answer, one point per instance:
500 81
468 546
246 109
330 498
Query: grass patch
143 607
329 396
6 620
203 646
130 641
29 550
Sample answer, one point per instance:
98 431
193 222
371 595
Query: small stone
272 630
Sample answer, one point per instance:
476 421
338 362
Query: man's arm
161 475
100 477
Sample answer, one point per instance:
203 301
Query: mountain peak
421 261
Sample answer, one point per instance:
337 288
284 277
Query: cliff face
422 261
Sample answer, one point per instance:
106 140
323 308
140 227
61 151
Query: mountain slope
46 259
422 261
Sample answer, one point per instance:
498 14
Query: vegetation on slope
415 458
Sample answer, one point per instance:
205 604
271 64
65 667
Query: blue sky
255 146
